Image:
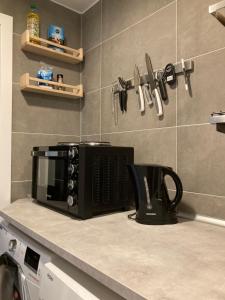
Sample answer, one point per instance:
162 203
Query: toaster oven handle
46 153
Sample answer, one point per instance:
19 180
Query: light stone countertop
170 262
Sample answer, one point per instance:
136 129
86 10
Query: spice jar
60 80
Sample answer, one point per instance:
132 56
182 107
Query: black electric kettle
153 204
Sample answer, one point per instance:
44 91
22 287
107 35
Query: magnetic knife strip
189 66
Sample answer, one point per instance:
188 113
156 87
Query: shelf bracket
214 10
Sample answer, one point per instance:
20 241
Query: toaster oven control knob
72 153
70 201
71 169
72 184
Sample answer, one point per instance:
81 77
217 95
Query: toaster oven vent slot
110 180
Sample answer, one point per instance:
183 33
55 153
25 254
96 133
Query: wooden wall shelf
41 46
30 84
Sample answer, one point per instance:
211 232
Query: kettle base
154 220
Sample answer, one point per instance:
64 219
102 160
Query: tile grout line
130 26
42 133
206 53
92 48
210 195
202 194
151 129
93 134
155 128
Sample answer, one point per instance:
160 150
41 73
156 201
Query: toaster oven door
50 176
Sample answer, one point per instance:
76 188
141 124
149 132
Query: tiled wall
40 119
116 34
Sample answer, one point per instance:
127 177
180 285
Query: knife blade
153 85
137 84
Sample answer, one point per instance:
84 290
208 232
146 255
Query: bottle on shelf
33 22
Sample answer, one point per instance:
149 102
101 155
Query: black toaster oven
83 179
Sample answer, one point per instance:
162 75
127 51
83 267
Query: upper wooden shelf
41 46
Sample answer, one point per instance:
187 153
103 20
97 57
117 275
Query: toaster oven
83 179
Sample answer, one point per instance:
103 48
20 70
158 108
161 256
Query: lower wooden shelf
30 84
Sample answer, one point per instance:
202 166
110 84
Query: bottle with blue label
56 35
45 72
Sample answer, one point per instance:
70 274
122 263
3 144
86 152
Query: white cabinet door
6 38
55 284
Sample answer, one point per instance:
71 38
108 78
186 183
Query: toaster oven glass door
52 177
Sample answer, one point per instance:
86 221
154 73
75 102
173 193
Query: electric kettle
153 204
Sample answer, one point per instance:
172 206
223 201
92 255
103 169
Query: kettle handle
178 184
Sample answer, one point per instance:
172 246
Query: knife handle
124 100
162 88
158 103
121 100
147 94
141 97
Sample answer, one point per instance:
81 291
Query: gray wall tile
198 31
134 119
91 70
118 15
20 190
94 137
151 146
152 35
206 205
45 114
18 9
200 159
91 114
207 95
22 145
91 26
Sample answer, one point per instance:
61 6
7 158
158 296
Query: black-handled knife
162 86
122 94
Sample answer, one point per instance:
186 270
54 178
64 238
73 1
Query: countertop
169 262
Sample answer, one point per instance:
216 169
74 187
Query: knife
137 84
153 85
161 84
123 94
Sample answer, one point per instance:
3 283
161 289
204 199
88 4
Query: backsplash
40 119
116 34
